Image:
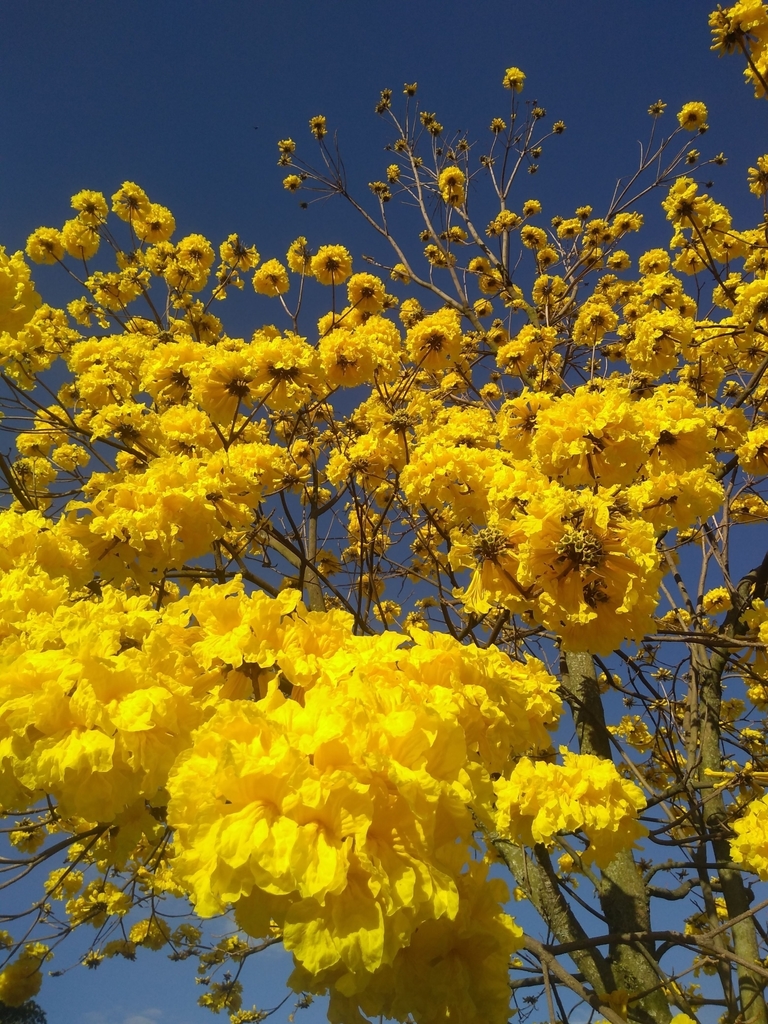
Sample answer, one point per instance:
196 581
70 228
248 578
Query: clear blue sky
167 93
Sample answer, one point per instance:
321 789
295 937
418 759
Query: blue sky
167 94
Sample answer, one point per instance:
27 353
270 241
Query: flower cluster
585 793
277 611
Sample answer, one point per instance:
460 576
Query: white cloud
149 1016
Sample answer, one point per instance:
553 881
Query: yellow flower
450 183
693 116
565 864
366 292
657 339
130 202
157 225
584 793
350 358
91 206
746 19
655 261
513 79
188 264
235 253
435 340
758 176
624 222
569 228
750 847
633 730
716 601
80 240
618 260
153 933
594 571
299 256
533 237
281 811
506 220
194 252
285 370
115 290
438 256
45 245
674 498
18 298
331 265
595 319
22 978
318 127
753 453
590 437
271 279
63 882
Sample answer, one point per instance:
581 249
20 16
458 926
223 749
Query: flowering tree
329 630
